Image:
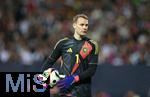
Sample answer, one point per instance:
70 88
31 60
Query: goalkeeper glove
67 81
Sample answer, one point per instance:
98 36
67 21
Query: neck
77 37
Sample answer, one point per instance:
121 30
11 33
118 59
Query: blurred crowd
129 93
29 29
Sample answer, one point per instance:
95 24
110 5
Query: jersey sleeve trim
60 41
96 46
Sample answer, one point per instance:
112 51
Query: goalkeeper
79 60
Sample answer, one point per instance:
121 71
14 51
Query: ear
74 25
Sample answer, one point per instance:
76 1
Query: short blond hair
75 18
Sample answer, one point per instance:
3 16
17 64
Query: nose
85 27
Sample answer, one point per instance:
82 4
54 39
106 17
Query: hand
54 90
67 81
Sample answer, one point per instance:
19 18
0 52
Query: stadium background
30 28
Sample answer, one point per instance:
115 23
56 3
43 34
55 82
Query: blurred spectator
102 94
131 94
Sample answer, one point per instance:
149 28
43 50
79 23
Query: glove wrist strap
76 78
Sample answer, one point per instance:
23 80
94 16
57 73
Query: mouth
84 31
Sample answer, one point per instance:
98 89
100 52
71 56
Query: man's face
81 26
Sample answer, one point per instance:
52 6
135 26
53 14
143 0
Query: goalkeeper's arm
56 53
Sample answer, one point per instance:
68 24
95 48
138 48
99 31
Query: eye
82 24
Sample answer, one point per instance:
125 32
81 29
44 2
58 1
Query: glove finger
61 86
61 82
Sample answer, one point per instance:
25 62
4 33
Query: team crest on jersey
85 50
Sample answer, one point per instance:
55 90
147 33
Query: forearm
88 73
